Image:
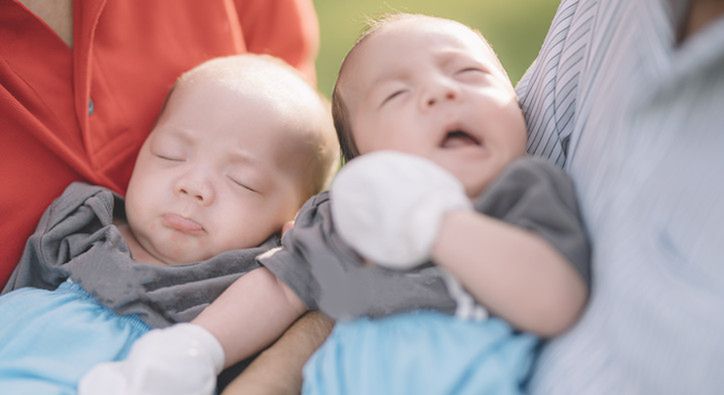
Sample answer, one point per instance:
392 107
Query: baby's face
436 90
212 175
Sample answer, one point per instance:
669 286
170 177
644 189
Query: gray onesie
328 275
76 239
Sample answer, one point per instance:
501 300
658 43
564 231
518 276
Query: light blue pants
50 339
420 353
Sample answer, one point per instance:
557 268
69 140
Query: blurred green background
515 28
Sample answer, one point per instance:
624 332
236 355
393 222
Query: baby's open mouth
459 138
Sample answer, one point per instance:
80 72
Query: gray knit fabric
76 239
326 274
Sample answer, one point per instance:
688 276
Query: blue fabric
420 353
49 339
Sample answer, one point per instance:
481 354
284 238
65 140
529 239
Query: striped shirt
638 122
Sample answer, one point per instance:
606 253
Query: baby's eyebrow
390 75
182 134
446 57
244 156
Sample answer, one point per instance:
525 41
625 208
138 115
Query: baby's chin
477 178
474 185
181 256
473 191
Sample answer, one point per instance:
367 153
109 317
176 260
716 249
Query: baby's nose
432 100
439 91
197 189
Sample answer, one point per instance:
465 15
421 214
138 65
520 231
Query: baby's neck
138 253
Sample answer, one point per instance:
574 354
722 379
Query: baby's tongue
456 140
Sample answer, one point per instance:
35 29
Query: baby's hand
388 206
181 359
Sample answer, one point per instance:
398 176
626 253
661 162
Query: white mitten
388 206
181 359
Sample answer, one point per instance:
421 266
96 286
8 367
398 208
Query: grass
515 28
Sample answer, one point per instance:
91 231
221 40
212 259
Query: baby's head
242 142
431 87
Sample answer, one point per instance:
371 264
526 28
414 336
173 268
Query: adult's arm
278 370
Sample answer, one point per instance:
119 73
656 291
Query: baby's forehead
419 29
420 24
392 40
404 41
250 91
268 80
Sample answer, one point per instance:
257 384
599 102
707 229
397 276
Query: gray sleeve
81 210
534 194
328 275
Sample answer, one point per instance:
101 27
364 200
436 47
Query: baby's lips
182 224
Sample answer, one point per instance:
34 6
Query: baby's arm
400 210
278 369
185 358
250 314
512 271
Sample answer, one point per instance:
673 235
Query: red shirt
82 113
